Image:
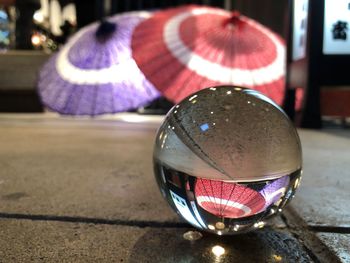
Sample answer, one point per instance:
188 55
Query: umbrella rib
44 76
113 99
113 51
58 87
255 202
231 54
227 44
45 80
94 101
55 94
209 196
212 190
69 99
205 190
92 54
241 195
77 108
235 47
258 61
229 198
221 211
238 200
248 198
114 45
120 48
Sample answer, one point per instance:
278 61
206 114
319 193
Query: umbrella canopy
227 199
94 73
185 49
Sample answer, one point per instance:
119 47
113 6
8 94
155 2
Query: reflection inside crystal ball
226 159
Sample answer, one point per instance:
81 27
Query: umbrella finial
234 19
105 30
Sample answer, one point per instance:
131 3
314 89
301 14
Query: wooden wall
18 76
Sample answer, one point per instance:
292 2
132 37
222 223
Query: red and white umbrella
185 49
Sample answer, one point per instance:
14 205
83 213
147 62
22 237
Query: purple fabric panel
268 191
89 53
68 98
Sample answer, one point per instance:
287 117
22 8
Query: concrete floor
82 190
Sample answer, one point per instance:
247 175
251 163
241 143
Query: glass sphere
226 159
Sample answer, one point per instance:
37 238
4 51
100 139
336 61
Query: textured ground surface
80 190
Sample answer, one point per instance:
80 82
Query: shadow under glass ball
226 159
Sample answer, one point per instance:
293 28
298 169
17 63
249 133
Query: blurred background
25 20
31 30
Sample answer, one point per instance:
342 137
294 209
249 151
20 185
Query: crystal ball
227 159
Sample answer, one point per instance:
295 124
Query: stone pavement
82 190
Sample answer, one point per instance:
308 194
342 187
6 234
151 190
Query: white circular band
217 72
224 203
113 74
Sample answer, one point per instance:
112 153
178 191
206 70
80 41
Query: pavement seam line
316 249
330 229
297 237
96 221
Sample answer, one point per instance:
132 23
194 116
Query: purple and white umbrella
94 73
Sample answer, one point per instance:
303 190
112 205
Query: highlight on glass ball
226 159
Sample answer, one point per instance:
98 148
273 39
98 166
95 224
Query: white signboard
182 207
336 29
300 18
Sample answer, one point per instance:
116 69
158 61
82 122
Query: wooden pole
228 5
